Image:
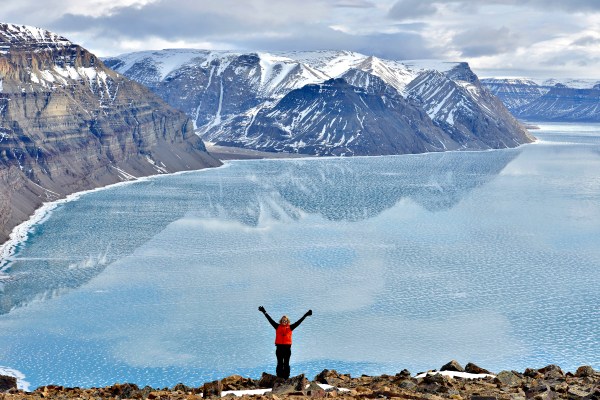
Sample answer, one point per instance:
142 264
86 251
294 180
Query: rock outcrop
431 386
68 123
7 383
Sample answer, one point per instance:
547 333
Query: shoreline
225 154
20 233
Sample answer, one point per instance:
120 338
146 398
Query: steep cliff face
458 103
68 123
564 104
568 100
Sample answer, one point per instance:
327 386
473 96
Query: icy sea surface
407 262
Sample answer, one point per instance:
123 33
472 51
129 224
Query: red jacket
283 335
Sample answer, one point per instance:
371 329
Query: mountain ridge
238 99
559 100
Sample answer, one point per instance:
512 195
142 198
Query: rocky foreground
540 384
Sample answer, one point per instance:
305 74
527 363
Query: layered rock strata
68 123
566 101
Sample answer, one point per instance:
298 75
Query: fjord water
407 262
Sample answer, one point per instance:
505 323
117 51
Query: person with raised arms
283 340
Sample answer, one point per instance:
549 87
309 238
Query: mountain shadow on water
338 189
354 189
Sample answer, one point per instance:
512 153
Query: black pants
283 353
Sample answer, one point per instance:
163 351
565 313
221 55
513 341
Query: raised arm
273 323
295 324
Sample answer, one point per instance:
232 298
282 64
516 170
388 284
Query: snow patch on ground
251 392
456 374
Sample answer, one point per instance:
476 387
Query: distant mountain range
68 123
568 100
326 102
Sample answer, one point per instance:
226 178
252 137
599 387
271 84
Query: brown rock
180 387
212 389
7 383
532 373
407 384
314 390
584 371
292 385
452 366
237 382
332 377
124 390
435 378
268 380
325 375
362 390
403 374
535 390
508 378
146 390
551 371
475 369
575 393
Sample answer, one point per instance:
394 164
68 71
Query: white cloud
529 37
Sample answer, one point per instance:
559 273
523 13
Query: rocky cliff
549 100
68 123
327 102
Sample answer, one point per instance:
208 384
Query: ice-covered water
407 262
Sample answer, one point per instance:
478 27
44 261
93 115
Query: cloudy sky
536 38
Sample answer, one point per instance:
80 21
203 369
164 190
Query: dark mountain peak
248 59
462 72
336 82
369 82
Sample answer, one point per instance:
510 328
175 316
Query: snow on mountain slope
30 34
228 95
458 103
564 104
337 118
515 93
570 83
549 99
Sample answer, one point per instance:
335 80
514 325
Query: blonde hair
284 320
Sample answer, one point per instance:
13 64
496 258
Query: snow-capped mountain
326 102
515 93
568 100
